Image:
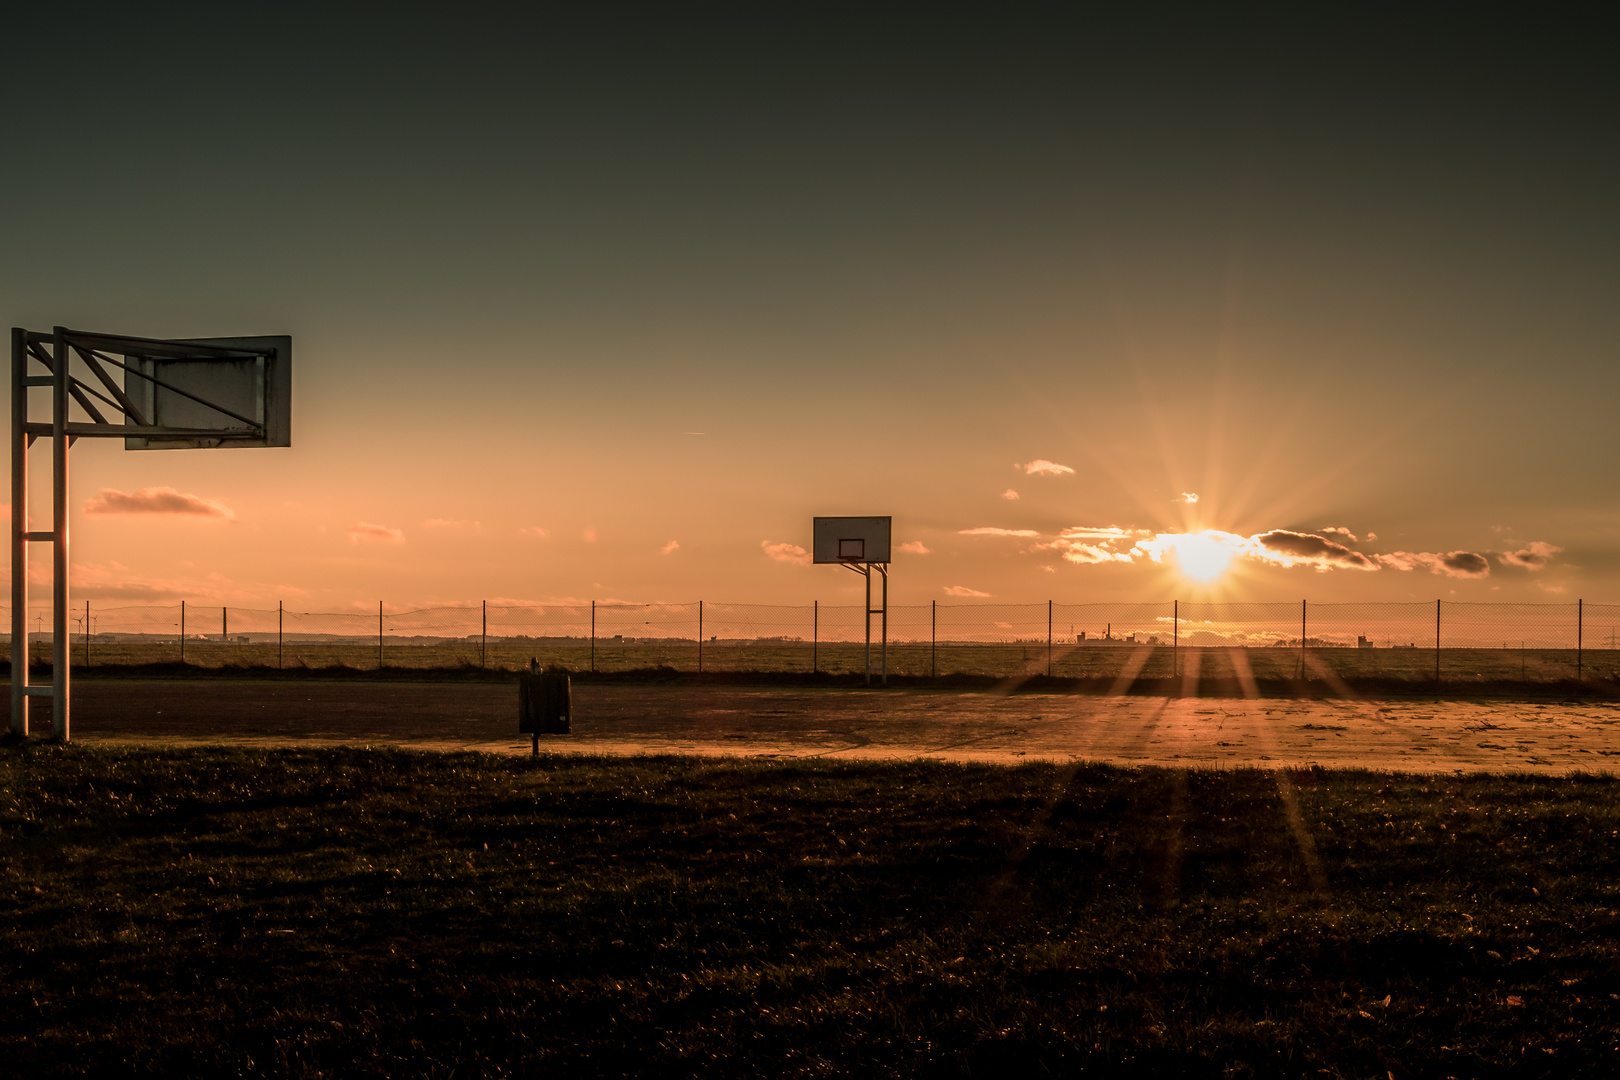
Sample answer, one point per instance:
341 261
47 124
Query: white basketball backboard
245 395
851 540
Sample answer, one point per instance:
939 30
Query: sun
1201 557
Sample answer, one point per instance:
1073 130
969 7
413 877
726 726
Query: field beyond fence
1379 642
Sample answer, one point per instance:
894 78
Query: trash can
545 704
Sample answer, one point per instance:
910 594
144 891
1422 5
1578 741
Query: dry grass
372 912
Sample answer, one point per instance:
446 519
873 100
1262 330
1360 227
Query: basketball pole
19 532
866 572
59 539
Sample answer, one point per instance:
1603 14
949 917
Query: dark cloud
1465 564
155 500
1314 548
1459 564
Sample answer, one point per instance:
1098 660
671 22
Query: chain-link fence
1406 642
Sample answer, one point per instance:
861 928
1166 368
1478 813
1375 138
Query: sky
1251 304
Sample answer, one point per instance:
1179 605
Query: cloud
1093 532
535 531
986 530
156 500
963 590
1189 497
1010 495
788 553
364 532
1457 564
1280 547
1310 548
673 545
1042 467
1533 556
1342 531
915 547
1077 552
1371 537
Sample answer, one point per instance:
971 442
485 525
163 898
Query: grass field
1416 665
367 912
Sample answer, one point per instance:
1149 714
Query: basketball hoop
200 393
862 544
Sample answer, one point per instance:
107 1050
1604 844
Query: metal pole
60 659
933 639
815 638
483 640
1175 638
182 631
278 633
700 637
1580 625
225 624
885 572
87 633
1049 639
19 531
867 619
593 635
379 635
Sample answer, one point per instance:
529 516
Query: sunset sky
609 304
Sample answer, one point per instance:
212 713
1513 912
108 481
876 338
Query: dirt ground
1408 735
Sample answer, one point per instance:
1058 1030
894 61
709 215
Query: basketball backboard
851 539
245 393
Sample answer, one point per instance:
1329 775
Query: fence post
278 634
1437 644
1580 625
379 635
933 639
87 633
815 637
1049 639
182 631
225 624
1302 639
700 637
593 636
483 639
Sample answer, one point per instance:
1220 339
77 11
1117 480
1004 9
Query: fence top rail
1190 609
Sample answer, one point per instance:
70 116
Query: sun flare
1201 557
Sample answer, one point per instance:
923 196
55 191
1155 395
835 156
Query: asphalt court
1407 734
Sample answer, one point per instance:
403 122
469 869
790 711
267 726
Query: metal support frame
54 352
865 570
